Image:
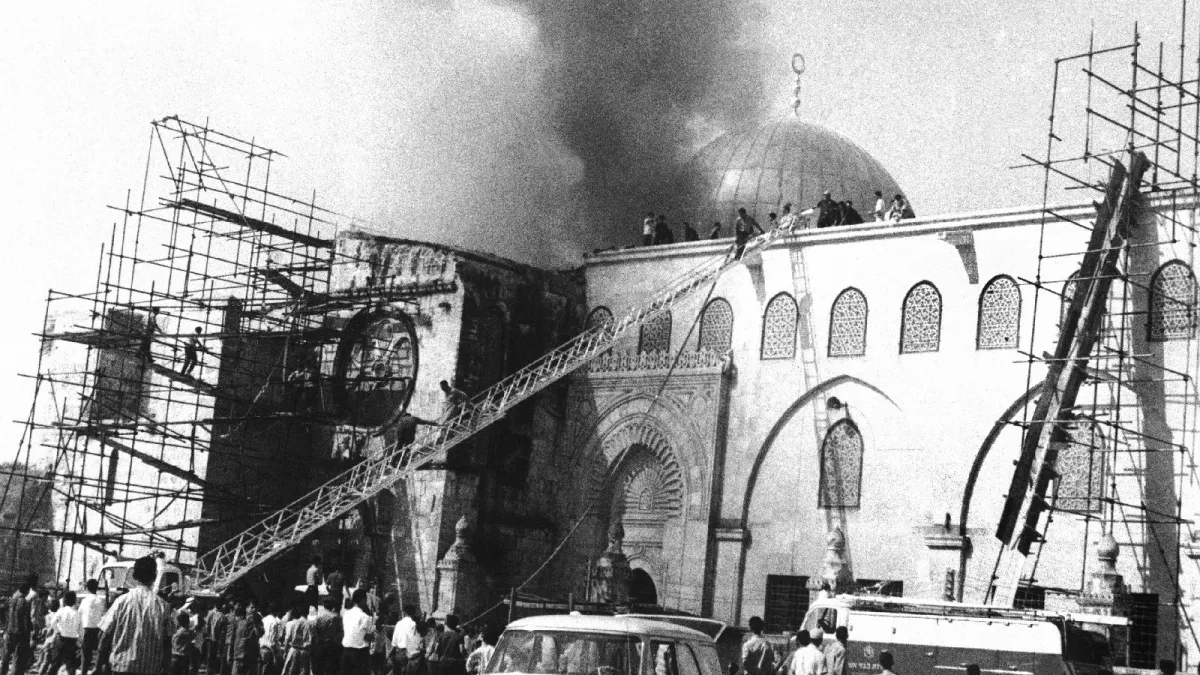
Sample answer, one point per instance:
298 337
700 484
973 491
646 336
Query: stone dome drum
781 161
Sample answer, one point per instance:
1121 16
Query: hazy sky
364 96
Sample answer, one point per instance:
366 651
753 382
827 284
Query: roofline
970 221
466 254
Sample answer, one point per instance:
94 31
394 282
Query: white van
944 637
117 577
602 645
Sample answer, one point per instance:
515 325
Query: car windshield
566 653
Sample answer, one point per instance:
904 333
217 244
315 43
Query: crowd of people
827 213
807 653
344 631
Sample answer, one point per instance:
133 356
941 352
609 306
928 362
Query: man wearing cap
835 653
829 211
809 660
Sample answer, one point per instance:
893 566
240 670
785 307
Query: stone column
460 578
1106 594
610 580
836 577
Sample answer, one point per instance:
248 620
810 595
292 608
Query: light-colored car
602 645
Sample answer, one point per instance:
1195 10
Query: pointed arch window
1081 469
1173 302
999 314
716 326
656 335
600 316
841 466
921 325
848 324
779 328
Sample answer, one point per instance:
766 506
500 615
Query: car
602 645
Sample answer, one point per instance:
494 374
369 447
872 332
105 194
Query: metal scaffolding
1130 418
208 264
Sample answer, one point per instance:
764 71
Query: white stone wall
923 416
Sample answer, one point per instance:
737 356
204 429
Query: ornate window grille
848 324
656 335
779 328
1080 465
841 466
716 326
999 315
921 326
600 316
1173 302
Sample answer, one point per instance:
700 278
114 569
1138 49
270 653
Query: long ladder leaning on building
1020 527
225 564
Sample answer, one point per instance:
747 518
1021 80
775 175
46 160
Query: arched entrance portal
641 588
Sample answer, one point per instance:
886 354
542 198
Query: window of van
825 618
1085 646
565 653
706 655
665 658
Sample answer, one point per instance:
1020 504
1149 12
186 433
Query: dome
781 161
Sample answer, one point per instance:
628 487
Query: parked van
117 577
603 645
944 637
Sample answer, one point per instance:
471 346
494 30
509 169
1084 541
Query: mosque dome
781 161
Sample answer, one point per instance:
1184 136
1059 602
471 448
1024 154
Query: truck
945 637
116 577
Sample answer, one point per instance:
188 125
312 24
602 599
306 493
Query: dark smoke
638 85
540 129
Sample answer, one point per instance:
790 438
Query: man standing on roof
880 206
828 211
648 229
743 229
757 656
787 222
148 336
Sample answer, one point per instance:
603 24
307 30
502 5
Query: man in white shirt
478 660
406 643
809 660
787 222
66 624
358 630
880 206
91 609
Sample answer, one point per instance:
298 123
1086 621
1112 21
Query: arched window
1068 294
848 324
779 328
841 466
1080 466
656 334
999 314
601 316
921 326
1173 302
716 326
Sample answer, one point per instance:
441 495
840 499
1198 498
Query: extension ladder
223 565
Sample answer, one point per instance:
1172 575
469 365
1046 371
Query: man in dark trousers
191 352
743 229
689 232
17 648
148 336
850 215
828 211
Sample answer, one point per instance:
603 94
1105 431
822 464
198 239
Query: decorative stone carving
836 577
625 362
1105 592
459 577
610 580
